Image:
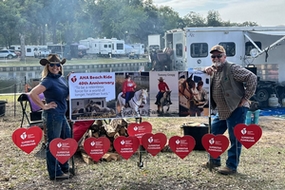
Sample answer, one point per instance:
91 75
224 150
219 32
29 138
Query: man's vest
233 91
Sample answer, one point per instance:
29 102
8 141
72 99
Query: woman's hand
51 105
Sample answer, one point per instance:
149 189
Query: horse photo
187 103
139 100
164 101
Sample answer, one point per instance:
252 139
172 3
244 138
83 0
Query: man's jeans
220 126
57 127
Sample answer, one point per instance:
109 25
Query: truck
259 49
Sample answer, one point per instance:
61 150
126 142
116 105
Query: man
231 88
129 87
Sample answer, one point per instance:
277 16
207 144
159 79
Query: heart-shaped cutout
215 145
63 149
139 129
247 135
96 147
126 146
27 139
154 143
182 146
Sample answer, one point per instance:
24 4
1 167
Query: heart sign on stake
182 146
215 145
126 146
63 149
96 147
27 139
247 135
154 143
139 129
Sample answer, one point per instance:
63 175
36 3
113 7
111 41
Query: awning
265 50
272 33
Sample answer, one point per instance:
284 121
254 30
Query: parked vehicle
9 54
41 52
263 47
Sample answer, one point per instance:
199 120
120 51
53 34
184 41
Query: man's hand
209 70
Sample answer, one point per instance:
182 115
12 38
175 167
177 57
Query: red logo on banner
182 146
96 147
139 129
247 135
73 79
215 145
27 139
63 149
126 146
154 143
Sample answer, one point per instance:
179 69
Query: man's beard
217 64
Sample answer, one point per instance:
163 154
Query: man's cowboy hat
52 58
160 79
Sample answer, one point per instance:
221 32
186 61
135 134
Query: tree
214 19
193 19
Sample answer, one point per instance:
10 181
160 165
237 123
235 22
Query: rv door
179 54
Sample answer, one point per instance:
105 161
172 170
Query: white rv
92 45
118 47
263 47
30 50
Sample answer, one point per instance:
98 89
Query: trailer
260 49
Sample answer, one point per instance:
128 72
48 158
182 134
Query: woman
55 90
129 87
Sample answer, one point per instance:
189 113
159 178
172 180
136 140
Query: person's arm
34 94
167 88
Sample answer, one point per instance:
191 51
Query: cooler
197 131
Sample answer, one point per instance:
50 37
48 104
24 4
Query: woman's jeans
57 127
220 126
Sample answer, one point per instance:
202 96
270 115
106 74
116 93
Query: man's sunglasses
217 56
53 64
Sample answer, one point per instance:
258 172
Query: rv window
29 50
199 50
230 48
249 46
179 50
120 46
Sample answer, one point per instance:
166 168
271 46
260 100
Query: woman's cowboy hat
52 58
160 79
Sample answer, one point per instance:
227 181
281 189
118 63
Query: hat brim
44 62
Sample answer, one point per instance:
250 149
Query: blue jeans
220 126
57 127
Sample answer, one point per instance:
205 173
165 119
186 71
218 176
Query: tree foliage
68 21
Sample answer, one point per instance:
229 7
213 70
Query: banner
138 94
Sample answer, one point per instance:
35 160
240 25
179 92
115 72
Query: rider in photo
162 88
129 87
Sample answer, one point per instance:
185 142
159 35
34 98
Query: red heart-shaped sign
215 145
182 146
96 147
126 146
139 129
63 149
27 139
154 143
247 135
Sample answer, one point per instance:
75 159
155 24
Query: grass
261 167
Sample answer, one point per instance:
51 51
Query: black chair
32 113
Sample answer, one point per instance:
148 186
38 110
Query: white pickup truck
41 52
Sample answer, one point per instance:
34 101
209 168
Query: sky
263 12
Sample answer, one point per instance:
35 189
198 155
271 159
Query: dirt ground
261 167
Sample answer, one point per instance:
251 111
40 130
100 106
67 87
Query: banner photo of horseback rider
132 92
194 87
92 96
163 94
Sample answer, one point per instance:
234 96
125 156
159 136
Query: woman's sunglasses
217 56
53 64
